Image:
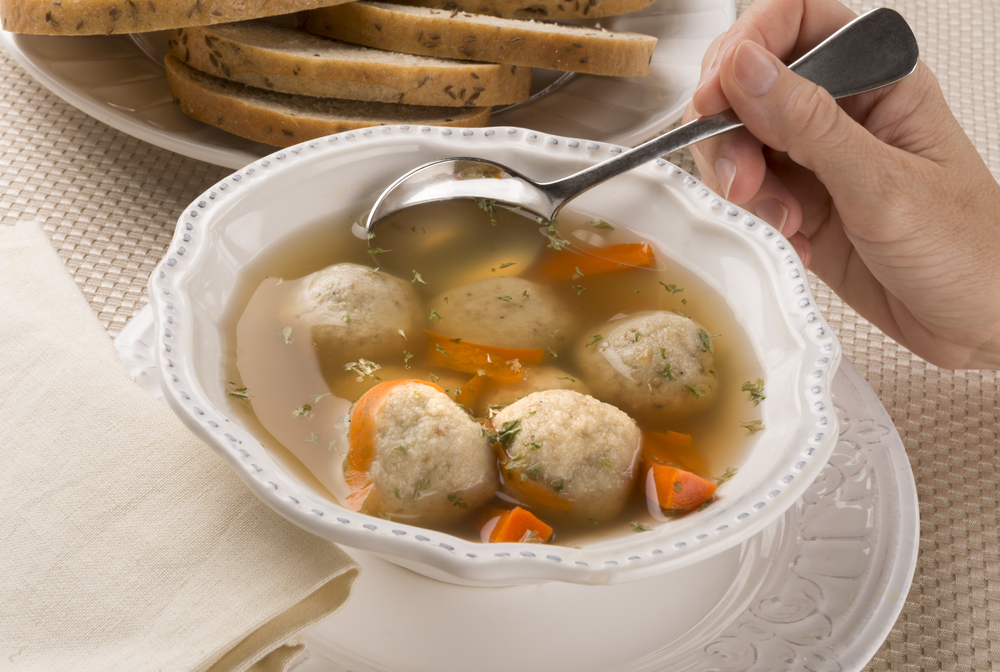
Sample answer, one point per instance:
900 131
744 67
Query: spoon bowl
875 50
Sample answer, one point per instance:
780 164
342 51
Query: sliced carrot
676 490
534 493
496 363
571 262
361 439
671 448
468 394
527 491
520 525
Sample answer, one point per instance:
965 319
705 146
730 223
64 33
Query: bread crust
90 17
284 120
433 32
292 61
543 10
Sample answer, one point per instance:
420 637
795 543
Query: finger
777 205
783 27
793 115
731 164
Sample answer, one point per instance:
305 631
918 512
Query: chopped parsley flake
346 318
531 537
399 495
507 265
706 341
238 392
524 295
480 372
441 350
313 438
594 339
695 390
505 298
421 486
363 368
377 250
553 353
286 334
401 333
401 448
457 501
604 461
601 224
572 380
508 431
301 411
638 335
579 289
639 527
317 397
756 390
593 521
407 356
434 314
578 271
667 373
753 425
556 242
730 472
487 205
558 485
673 289
417 278
433 378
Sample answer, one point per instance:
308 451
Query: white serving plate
745 260
819 588
120 81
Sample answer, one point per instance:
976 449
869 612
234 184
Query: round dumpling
536 379
415 456
651 362
355 312
505 312
567 451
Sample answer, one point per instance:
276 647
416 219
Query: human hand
883 195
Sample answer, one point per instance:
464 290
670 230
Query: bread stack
339 65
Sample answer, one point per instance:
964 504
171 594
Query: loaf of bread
478 37
536 9
277 58
283 119
93 17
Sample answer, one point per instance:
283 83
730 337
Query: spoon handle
876 49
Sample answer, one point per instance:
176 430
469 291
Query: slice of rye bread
284 119
543 10
278 58
97 17
477 37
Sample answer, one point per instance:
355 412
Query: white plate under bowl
120 80
818 589
743 259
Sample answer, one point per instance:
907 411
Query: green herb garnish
753 425
756 390
639 527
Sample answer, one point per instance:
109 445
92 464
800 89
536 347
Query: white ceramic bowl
746 260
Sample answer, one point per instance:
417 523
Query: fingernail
772 212
725 170
753 69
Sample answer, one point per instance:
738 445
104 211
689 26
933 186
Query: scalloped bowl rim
440 555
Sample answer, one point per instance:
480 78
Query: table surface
109 203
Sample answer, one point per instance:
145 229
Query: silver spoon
875 50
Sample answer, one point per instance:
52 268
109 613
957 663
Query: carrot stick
497 363
361 439
519 525
572 262
676 490
671 448
532 493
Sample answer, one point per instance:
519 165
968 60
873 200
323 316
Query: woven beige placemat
109 203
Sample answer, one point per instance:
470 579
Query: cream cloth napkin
125 543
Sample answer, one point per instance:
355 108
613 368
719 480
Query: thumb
791 114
